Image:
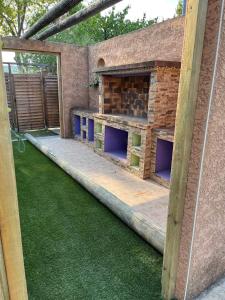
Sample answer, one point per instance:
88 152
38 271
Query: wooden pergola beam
55 12
78 17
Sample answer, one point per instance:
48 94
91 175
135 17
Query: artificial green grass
74 247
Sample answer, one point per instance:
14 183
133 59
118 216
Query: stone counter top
83 111
166 133
121 119
125 120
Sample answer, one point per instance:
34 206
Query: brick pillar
163 95
101 94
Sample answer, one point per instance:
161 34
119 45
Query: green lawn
74 247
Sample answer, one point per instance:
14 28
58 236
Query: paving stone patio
142 204
215 292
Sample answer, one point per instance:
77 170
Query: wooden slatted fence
51 100
33 99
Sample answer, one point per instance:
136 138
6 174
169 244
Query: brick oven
126 95
135 102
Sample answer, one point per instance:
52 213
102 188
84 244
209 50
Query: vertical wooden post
9 213
190 70
4 292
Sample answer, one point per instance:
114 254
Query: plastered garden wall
202 250
162 41
72 71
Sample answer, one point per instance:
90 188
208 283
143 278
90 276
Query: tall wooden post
4 292
189 79
9 213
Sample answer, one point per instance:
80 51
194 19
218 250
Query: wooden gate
33 99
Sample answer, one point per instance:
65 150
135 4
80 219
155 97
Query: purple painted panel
164 174
116 141
76 124
164 153
90 130
84 135
84 121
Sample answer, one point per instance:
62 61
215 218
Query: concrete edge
148 231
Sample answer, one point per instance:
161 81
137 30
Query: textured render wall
73 74
162 41
208 251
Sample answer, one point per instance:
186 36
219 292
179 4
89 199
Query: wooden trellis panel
51 100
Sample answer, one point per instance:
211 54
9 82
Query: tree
100 28
179 8
96 29
17 15
47 62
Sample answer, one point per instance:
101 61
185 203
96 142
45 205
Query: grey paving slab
215 292
142 204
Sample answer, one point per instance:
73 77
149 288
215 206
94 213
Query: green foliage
17 15
100 28
48 61
179 8
95 82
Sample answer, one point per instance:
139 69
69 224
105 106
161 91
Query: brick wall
112 98
163 95
126 95
135 92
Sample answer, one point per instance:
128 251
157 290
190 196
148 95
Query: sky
163 9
